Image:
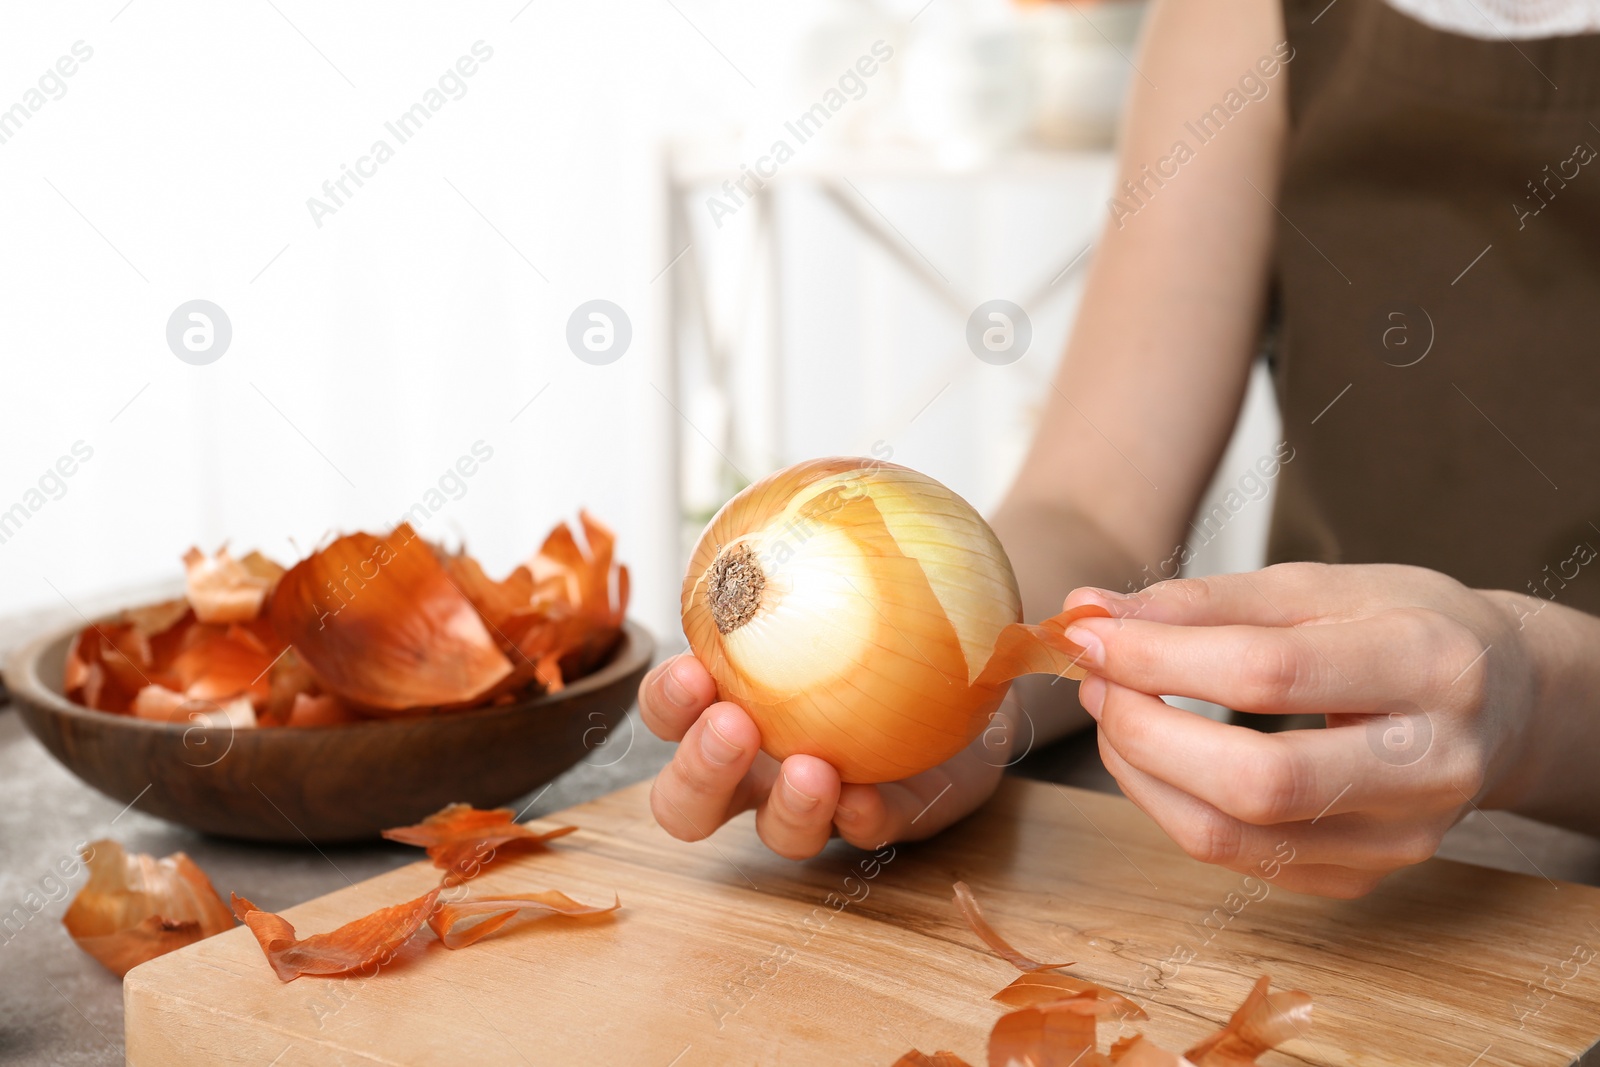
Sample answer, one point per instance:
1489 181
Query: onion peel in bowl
465 922
223 589
380 624
365 627
462 840
135 907
863 613
968 906
109 662
163 705
558 616
370 941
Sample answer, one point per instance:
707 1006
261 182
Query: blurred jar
969 89
1082 56
844 33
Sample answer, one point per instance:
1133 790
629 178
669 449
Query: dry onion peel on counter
865 614
365 627
135 907
967 904
461 840
464 922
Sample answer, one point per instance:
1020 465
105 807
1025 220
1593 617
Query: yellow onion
862 613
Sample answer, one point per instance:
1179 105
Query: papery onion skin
380 624
135 907
855 613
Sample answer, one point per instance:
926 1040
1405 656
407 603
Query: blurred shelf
693 162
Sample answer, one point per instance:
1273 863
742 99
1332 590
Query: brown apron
1438 302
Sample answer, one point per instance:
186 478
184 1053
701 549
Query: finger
1327 668
796 819
1255 777
870 816
1325 880
1282 595
1359 842
704 784
673 695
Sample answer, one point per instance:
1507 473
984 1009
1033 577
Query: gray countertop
58 1006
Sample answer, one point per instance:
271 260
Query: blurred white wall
427 314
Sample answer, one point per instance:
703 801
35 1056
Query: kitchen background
375 329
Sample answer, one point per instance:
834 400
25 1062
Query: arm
1137 418
1553 779
1143 404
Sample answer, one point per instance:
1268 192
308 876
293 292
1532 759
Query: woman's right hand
720 771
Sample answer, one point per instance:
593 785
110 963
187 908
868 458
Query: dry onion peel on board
1264 1021
135 907
1140 1051
968 906
464 922
461 840
865 614
1058 1033
369 941
1062 1033
1042 987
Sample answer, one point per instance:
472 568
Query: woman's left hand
1428 689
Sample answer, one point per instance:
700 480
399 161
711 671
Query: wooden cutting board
725 953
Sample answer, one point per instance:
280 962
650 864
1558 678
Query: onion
864 614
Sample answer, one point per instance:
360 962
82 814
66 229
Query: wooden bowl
323 784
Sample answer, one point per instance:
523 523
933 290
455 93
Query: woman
1404 200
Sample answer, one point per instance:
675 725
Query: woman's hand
1428 688
719 771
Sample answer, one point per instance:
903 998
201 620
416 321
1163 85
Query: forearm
1552 778
1054 549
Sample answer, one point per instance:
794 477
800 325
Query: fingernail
1106 594
1092 695
716 747
797 800
676 692
1094 653
845 815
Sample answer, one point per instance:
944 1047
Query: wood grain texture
724 953
325 784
